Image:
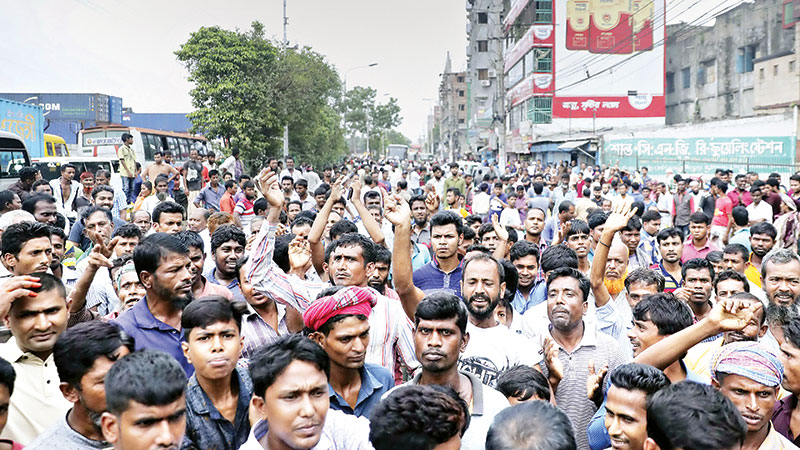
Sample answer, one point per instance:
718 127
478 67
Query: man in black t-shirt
193 175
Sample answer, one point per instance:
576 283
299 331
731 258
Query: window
515 74
761 73
706 72
460 93
775 70
670 82
686 76
483 74
483 46
483 17
460 120
744 59
459 79
791 66
544 59
544 11
788 14
540 109
461 107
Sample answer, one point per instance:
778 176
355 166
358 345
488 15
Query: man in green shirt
127 165
455 180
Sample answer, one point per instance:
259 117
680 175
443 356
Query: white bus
397 152
103 142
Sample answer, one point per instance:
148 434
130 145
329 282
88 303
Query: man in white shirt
291 171
759 210
65 188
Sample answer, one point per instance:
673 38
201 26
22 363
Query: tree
246 89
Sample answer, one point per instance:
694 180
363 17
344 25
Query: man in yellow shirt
127 166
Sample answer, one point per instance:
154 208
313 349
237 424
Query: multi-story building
744 65
484 61
453 119
575 67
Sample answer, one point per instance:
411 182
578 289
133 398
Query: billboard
609 59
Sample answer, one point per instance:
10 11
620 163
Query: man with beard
83 355
420 213
579 348
227 246
751 376
201 287
337 321
164 267
168 217
379 279
762 240
440 336
351 259
781 274
577 237
493 347
26 248
35 310
670 247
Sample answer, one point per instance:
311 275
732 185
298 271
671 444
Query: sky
125 47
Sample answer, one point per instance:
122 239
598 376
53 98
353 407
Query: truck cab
13 157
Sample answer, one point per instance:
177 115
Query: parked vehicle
26 121
51 167
55 146
104 141
13 157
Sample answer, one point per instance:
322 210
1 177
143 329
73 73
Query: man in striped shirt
351 259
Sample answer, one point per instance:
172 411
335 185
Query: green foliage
246 88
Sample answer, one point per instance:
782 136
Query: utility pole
285 49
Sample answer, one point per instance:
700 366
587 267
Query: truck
26 121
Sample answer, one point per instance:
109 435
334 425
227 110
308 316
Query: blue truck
26 121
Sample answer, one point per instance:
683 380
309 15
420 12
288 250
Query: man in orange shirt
226 203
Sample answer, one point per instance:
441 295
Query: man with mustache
201 287
534 225
786 409
227 246
494 347
762 240
164 267
338 322
698 277
670 247
218 394
440 336
751 376
83 355
35 310
781 274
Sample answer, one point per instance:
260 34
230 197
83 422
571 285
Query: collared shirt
210 288
153 334
65 206
571 396
206 428
419 256
752 273
522 303
692 252
233 286
486 403
432 278
670 283
37 403
782 417
423 236
648 245
741 236
340 432
209 197
244 208
776 441
258 333
63 437
391 331
375 381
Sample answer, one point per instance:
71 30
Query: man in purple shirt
164 268
698 244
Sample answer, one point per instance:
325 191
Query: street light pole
285 46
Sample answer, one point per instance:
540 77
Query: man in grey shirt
83 355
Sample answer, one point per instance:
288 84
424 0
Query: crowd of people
399 305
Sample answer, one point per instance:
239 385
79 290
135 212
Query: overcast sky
125 47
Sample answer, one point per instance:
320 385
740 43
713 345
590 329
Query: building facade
453 118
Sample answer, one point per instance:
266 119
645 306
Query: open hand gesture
594 383
499 230
299 255
733 314
619 217
396 210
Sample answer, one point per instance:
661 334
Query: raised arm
502 236
98 257
399 214
616 221
318 228
370 224
729 315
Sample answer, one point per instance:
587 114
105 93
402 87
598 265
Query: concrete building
453 119
744 65
485 89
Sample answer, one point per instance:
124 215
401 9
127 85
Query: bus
397 152
55 146
103 141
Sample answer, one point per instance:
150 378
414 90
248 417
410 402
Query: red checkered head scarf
350 300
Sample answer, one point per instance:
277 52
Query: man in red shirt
698 244
723 206
226 203
740 195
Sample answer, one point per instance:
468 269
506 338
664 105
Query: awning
572 145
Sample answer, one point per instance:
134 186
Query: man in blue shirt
164 268
338 322
444 271
218 394
566 212
210 195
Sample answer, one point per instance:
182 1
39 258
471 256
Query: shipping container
175 122
99 108
26 121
